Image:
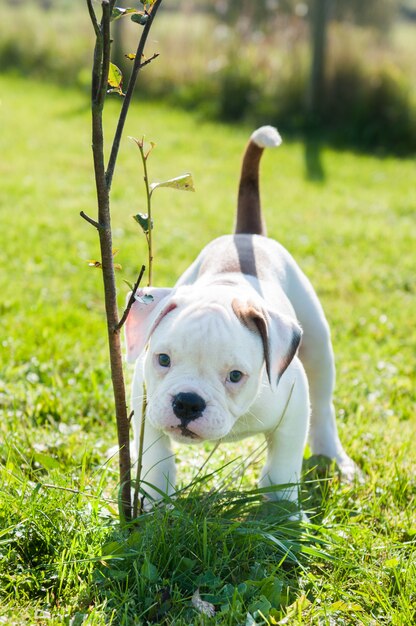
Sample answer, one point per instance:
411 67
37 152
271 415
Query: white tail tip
266 137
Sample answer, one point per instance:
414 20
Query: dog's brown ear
280 336
150 307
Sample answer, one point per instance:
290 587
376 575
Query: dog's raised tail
249 217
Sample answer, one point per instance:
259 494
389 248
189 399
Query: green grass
349 221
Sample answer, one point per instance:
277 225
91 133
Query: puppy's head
207 350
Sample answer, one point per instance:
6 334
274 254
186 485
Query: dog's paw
350 472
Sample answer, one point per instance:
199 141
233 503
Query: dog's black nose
188 406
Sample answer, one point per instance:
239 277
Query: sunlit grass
349 221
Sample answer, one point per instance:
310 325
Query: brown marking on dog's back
238 255
234 255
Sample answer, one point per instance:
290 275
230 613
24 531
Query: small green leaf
152 147
116 13
139 19
183 183
149 571
115 77
129 285
261 605
120 12
143 220
48 462
111 548
186 564
117 91
116 574
130 56
345 607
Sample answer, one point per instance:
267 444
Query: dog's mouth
182 432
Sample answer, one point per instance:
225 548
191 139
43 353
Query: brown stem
140 459
105 28
129 93
89 219
149 237
100 80
93 18
149 60
103 179
131 301
110 295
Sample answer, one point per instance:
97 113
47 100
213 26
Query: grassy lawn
349 220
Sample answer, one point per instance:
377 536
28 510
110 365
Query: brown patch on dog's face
279 334
255 320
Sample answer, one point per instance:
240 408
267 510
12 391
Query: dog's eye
164 360
235 376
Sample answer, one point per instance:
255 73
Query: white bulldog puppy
239 346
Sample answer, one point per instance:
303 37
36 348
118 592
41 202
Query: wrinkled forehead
207 329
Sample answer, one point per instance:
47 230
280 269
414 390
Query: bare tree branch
89 219
129 93
93 19
99 89
149 60
103 179
131 301
105 26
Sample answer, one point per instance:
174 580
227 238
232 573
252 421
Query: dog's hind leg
318 360
317 356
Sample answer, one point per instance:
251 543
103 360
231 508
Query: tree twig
89 219
140 458
105 27
149 60
130 302
94 19
149 210
129 93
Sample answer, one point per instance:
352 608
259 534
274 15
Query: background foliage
247 61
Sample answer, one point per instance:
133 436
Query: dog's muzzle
188 407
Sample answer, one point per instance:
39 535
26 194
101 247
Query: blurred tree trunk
316 87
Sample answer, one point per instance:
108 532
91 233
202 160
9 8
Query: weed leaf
120 12
139 19
115 79
183 183
149 571
143 220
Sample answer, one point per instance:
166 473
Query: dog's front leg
286 442
158 472
158 464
